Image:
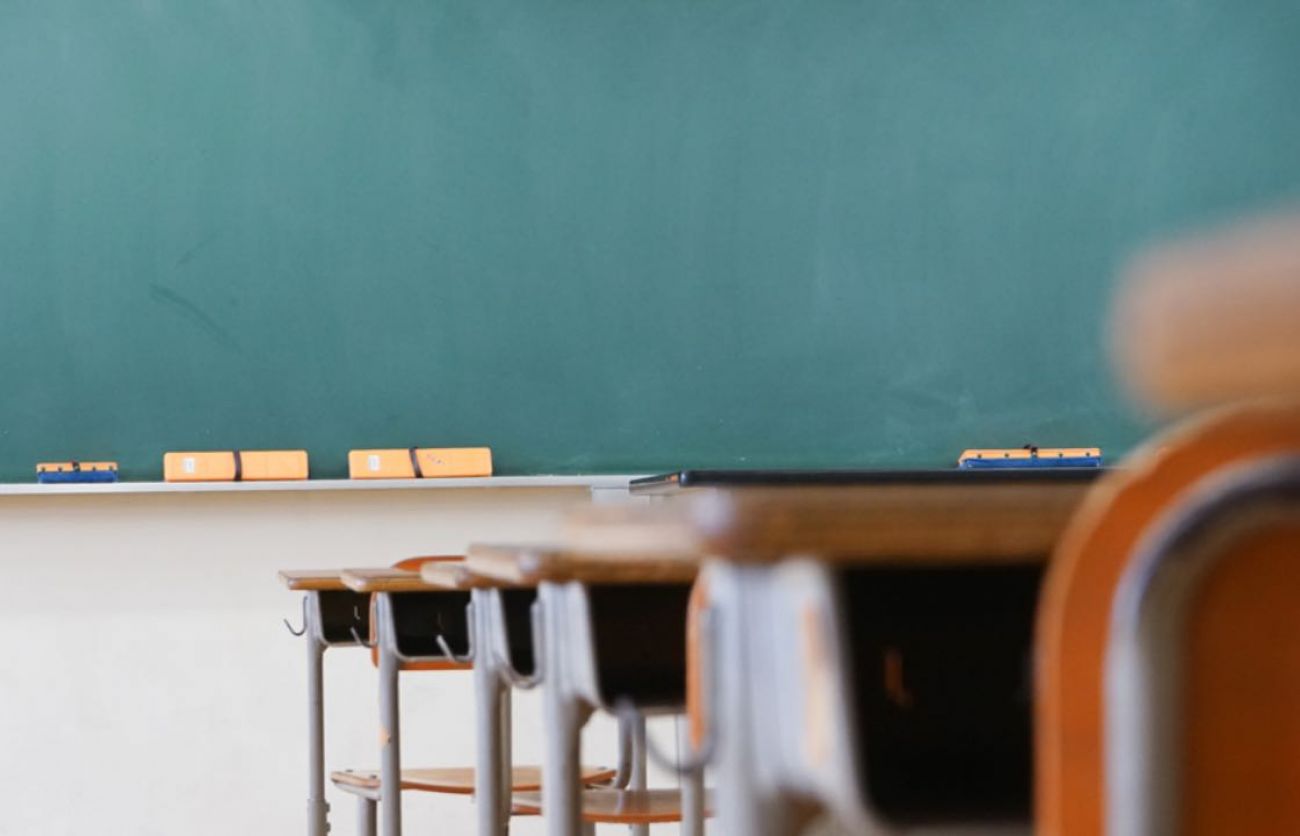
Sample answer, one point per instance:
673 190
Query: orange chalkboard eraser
420 463
236 466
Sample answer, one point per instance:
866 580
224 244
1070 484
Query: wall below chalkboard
604 237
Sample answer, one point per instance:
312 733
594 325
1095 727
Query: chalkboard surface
605 236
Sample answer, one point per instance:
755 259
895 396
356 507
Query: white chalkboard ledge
602 482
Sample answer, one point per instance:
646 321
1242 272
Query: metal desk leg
692 790
390 751
562 718
505 772
492 784
366 818
749 800
638 780
738 799
317 807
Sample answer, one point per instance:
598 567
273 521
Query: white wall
147 685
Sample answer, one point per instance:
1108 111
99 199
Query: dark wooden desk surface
690 478
891 516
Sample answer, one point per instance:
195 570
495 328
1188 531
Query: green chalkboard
605 235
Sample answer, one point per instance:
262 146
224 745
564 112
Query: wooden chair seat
454 780
610 806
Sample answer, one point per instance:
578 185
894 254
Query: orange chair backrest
1231 723
1240 724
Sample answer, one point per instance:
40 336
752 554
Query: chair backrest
1127 739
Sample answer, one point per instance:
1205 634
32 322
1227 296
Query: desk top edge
709 478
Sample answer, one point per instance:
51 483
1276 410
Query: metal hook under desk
513 677
363 642
468 658
303 628
626 711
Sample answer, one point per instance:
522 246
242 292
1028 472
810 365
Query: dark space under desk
937 631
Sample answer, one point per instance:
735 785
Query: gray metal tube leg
366 816
639 779
562 717
692 791
390 750
505 770
491 718
737 796
317 807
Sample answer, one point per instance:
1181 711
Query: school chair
416 626
613 639
1169 633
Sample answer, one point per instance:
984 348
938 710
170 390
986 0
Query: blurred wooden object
1239 737
1213 320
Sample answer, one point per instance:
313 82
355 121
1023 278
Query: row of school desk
609 631
862 646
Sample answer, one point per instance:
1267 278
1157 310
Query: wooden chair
867 648
613 638
1169 634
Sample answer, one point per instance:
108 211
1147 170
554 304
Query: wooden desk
413 622
942 522
460 575
506 656
904 599
694 479
503 641
613 627
386 579
531 565
312 580
333 616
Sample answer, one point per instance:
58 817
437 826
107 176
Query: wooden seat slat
453 780
611 806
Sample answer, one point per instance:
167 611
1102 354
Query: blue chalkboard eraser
62 473
1029 456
